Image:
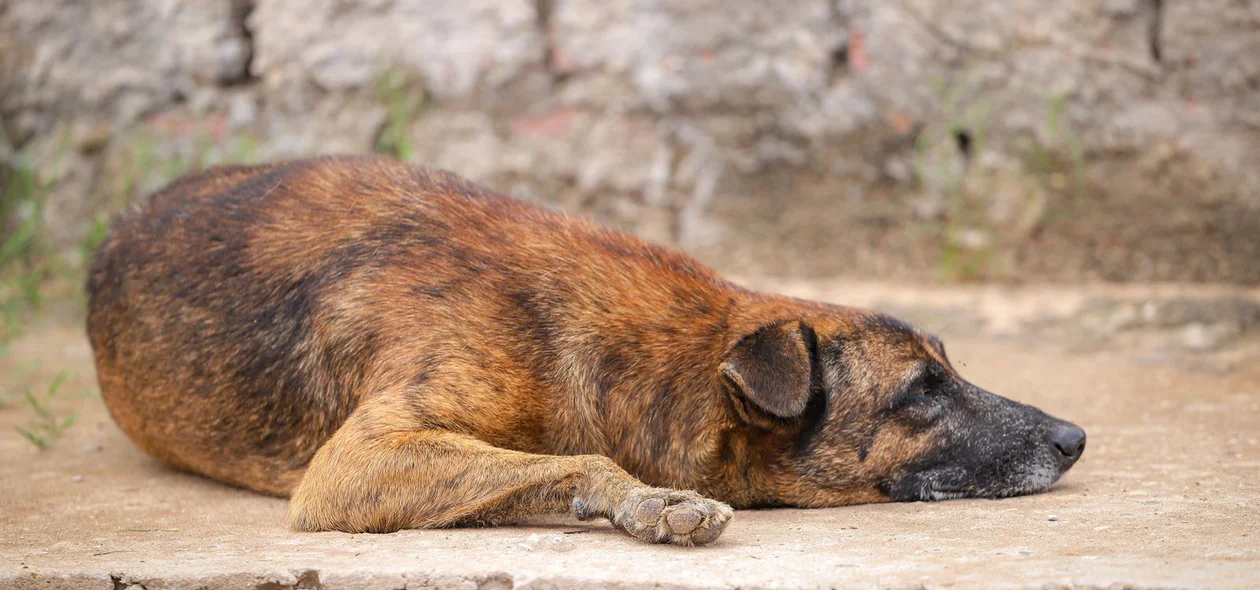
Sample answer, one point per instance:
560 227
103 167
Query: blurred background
1067 191
911 140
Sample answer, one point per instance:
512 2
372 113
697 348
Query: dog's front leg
379 473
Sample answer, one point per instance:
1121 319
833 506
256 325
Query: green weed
95 236
404 97
25 258
941 161
1057 160
141 157
1052 162
46 426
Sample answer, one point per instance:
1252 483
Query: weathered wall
1110 139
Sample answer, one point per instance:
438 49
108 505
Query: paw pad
669 516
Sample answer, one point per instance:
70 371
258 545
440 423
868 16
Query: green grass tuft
404 97
45 427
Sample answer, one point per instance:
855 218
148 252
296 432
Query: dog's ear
772 369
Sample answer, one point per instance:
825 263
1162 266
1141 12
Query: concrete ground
1167 495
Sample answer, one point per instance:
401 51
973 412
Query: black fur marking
816 409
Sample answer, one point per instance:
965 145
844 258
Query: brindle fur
395 347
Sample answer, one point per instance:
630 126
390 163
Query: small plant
141 157
161 152
46 426
1044 158
942 161
983 205
25 260
404 97
95 236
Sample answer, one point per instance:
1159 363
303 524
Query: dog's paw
660 515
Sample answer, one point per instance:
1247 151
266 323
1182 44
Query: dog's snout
1069 439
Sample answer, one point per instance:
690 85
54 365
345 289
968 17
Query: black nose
1069 439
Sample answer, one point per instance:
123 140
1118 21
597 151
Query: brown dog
395 347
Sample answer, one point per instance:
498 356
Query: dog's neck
666 413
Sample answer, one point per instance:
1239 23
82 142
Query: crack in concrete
1154 30
543 11
838 65
240 10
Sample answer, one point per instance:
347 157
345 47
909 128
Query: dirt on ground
1166 496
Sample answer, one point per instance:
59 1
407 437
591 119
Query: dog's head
863 408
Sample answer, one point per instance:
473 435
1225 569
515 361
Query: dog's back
238 315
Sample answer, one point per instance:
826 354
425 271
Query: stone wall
1021 139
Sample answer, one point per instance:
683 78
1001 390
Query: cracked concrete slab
1166 497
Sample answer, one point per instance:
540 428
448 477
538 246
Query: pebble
531 543
559 543
1202 337
1052 518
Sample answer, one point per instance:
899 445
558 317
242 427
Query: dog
395 347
